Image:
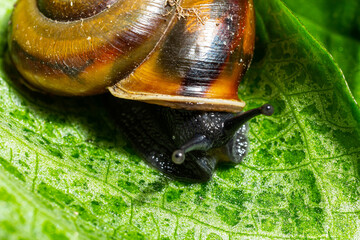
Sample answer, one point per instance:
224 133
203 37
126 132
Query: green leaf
337 25
66 172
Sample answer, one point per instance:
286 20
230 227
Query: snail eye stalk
233 124
199 142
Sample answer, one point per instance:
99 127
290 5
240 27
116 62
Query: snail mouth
180 102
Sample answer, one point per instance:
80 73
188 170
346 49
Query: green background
67 173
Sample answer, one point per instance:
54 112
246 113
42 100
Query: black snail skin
173 66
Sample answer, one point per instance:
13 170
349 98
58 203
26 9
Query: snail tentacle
199 142
233 124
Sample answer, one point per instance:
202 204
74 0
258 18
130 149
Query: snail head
209 130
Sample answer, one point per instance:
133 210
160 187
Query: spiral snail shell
187 54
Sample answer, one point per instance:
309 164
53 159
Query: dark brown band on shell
205 71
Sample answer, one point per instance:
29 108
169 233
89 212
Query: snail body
183 54
163 137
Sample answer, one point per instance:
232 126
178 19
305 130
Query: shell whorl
70 10
84 56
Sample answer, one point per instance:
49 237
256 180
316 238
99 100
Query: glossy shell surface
192 56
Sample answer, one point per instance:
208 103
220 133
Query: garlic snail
186 55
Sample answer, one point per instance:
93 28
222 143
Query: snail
185 56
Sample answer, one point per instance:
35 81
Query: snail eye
178 156
267 109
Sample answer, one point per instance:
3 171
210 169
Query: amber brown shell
192 56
